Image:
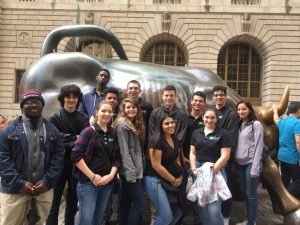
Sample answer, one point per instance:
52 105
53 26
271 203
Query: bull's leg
282 201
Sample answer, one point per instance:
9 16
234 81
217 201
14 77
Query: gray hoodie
131 148
250 146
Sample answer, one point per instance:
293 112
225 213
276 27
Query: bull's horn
267 115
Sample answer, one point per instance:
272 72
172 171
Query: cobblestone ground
265 215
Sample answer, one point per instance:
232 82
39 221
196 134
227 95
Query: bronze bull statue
54 70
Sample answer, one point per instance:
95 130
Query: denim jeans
249 188
167 215
227 204
132 202
211 214
71 198
92 202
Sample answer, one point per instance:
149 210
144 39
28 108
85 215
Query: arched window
165 53
97 48
239 66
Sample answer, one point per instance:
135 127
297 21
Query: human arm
221 162
232 128
127 161
9 173
94 178
193 159
156 157
258 145
297 139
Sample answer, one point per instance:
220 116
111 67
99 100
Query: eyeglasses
218 95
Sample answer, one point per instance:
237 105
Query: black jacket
179 116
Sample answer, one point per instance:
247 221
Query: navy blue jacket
89 102
14 152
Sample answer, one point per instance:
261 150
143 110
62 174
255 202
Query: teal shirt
288 128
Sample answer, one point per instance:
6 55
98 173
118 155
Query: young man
31 160
169 108
111 95
228 120
133 91
289 148
194 121
91 99
70 123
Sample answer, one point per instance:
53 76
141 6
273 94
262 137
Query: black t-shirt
101 162
193 124
169 155
208 148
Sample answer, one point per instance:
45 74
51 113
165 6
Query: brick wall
276 37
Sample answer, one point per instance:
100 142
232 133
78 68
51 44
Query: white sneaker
226 221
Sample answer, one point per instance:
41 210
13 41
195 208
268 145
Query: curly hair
66 91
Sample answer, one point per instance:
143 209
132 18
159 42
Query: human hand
27 189
105 180
40 188
96 179
177 182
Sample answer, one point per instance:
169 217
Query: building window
19 74
165 53
96 48
239 66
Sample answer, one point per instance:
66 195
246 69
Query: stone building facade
253 44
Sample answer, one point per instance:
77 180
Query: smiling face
219 98
210 119
32 108
169 98
243 111
133 90
198 103
104 113
168 126
70 102
130 110
112 98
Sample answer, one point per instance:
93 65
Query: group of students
152 151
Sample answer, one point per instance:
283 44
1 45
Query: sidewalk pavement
265 215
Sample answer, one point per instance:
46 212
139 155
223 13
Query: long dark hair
158 134
251 116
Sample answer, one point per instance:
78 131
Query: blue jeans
132 202
159 199
211 214
249 188
92 202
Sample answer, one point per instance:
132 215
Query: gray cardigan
131 152
250 146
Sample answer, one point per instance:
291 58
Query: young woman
97 159
210 144
130 131
248 157
163 153
70 123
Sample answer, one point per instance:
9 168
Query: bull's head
54 70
